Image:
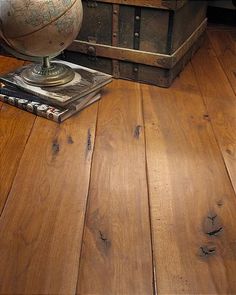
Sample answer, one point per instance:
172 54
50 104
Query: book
85 81
56 103
35 105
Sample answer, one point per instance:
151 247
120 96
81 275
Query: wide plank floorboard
192 201
8 64
224 45
116 255
41 226
15 128
220 101
135 195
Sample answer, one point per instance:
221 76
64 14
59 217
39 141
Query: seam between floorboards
221 64
87 199
213 130
154 279
19 162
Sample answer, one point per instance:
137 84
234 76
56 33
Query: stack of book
54 103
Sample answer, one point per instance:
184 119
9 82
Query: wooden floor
133 196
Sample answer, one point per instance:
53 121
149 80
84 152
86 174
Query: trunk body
145 41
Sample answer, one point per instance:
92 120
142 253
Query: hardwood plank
224 45
116 254
8 64
191 197
15 127
41 226
220 101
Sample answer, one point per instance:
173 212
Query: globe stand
47 74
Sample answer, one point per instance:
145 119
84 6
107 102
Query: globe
40 27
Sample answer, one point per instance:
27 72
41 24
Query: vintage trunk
146 41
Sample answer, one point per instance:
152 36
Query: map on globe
40 13
40 27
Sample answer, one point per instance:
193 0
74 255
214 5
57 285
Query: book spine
12 92
37 108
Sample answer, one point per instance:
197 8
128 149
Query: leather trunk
145 41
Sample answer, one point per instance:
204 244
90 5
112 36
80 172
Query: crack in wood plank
70 139
206 251
89 140
55 147
137 131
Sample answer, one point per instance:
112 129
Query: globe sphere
40 27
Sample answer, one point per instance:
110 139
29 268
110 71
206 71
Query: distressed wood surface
138 56
224 45
15 127
8 64
191 198
190 142
162 4
41 226
116 254
220 102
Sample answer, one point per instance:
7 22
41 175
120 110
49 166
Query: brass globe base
47 74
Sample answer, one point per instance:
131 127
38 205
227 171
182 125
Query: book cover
85 81
36 106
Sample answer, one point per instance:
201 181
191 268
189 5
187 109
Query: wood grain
220 101
150 3
116 254
15 127
8 64
192 201
224 45
42 223
191 153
